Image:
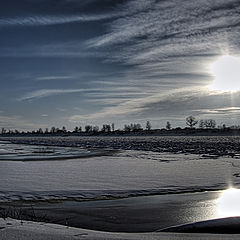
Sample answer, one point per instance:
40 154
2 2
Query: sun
226 71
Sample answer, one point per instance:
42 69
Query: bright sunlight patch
226 71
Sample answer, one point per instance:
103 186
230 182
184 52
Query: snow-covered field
24 230
54 172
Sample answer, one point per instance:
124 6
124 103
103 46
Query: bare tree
64 129
133 127
76 129
106 128
40 131
95 129
113 127
136 127
168 125
148 126
3 131
127 128
16 131
88 128
53 130
210 123
207 123
201 124
191 121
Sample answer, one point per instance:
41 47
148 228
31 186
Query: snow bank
24 230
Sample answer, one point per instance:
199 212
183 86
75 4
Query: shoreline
210 146
28 230
134 214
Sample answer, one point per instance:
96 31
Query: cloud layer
119 60
174 105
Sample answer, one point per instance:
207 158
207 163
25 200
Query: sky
71 63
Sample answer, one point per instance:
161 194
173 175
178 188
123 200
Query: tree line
191 123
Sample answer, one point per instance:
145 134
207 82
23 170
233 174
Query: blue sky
72 63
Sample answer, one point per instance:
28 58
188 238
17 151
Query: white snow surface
11 229
119 174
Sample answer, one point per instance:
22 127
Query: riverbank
11 229
206 146
134 214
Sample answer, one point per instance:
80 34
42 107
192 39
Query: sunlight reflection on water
228 204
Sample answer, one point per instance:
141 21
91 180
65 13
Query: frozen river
54 172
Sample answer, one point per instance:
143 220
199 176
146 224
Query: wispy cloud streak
43 20
177 104
48 92
172 28
49 78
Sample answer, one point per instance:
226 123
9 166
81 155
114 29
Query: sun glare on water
229 203
226 71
